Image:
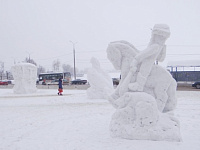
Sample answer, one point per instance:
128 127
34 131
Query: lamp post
29 58
74 59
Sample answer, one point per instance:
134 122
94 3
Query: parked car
54 82
196 84
3 83
9 81
79 81
65 81
115 81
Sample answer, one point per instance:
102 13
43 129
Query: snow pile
145 98
45 121
25 75
100 82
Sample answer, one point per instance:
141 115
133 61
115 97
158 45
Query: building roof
184 63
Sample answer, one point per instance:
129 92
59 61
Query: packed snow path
74 122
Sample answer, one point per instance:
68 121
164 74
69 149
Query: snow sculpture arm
156 51
162 54
146 58
152 50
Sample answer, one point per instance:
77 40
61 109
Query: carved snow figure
146 93
25 75
100 82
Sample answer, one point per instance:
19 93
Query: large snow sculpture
25 75
100 82
145 98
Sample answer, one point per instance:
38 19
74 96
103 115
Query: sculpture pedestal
138 118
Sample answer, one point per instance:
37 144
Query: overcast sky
43 29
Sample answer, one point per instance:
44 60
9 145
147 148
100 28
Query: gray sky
43 29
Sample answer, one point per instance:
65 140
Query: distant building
187 71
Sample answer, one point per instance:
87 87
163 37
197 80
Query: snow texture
25 75
146 94
100 82
46 121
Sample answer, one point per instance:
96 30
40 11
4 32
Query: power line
185 45
54 57
91 51
172 45
183 54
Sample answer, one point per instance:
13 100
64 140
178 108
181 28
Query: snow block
25 75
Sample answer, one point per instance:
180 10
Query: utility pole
29 58
74 59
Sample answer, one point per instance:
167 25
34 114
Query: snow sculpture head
162 30
25 75
160 34
118 50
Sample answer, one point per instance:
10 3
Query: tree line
56 67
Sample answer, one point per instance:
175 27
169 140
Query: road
180 87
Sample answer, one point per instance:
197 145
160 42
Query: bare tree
31 61
66 68
56 65
40 69
1 69
84 71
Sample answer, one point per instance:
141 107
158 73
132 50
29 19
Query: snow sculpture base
25 75
98 93
138 118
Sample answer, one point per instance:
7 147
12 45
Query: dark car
196 84
3 83
54 81
65 81
79 81
115 81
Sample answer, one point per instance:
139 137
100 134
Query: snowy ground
46 121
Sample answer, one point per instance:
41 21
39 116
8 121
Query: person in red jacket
60 88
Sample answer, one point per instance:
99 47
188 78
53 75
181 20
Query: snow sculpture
25 75
145 98
100 82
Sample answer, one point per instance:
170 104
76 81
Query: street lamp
74 59
29 58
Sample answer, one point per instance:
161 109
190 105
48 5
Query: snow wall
25 75
146 96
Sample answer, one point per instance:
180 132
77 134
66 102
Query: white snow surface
25 75
100 81
44 120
